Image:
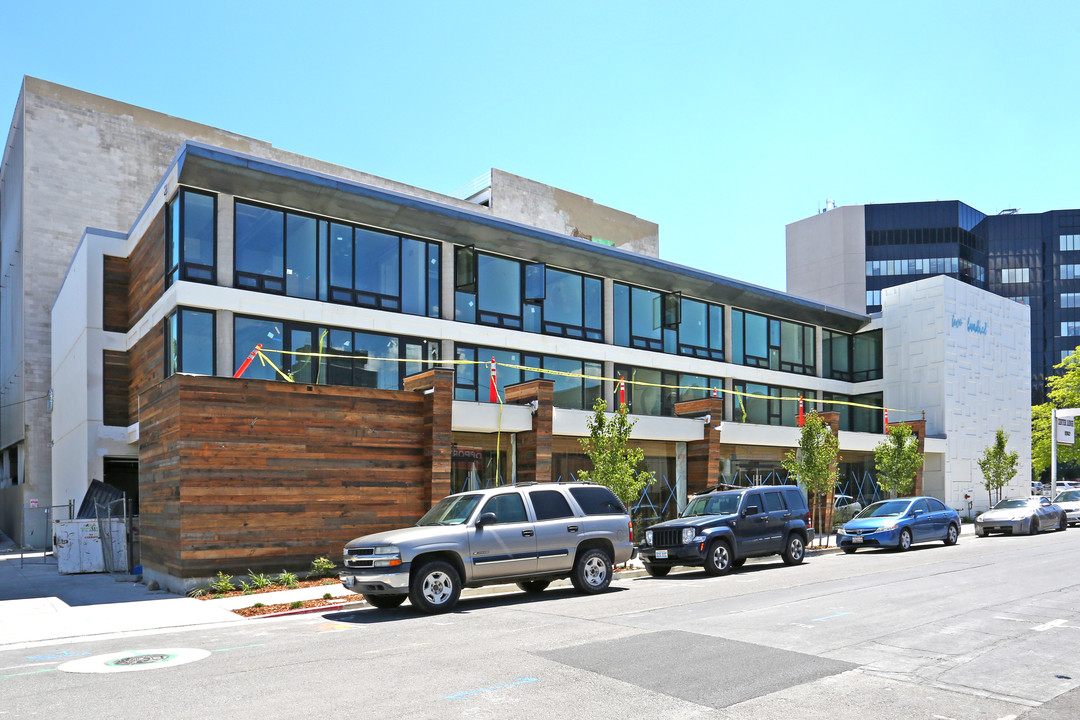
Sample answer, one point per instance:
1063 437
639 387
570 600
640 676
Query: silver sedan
1021 515
1069 501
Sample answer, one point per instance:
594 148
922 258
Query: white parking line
1047 626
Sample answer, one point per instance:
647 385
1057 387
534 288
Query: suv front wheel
718 561
592 572
435 587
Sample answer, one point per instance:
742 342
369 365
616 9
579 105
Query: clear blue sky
720 121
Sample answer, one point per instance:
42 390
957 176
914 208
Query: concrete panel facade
826 257
960 354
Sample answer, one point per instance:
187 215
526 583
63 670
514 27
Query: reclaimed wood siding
115 302
116 388
270 475
147 270
147 363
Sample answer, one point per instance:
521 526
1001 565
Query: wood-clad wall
147 270
262 475
703 457
115 301
116 387
147 362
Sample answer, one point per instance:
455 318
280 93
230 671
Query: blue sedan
899 523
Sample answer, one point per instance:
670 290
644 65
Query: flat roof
305 190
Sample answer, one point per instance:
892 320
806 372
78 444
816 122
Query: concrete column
224 359
533 448
446 288
225 241
702 456
437 385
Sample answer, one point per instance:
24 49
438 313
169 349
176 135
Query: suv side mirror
750 510
487 518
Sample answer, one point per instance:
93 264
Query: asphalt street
984 629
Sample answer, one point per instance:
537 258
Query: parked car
1037 487
899 524
1021 515
1069 501
845 507
720 530
529 533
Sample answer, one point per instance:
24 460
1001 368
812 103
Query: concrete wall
527 201
961 355
826 258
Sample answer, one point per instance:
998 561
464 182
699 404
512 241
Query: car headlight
889 528
386 556
687 536
648 537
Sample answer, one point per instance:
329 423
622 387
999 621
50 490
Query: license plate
661 554
857 540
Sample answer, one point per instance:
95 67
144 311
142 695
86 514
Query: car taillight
631 526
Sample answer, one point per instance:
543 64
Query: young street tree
998 465
1062 391
897 459
813 465
615 465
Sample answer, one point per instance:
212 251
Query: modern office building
848 255
148 257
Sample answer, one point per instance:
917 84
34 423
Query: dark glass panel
535 283
377 258
737 343
645 314
567 389
694 328
341 257
300 275
369 370
564 298
260 242
301 367
465 374
414 277
594 304
172 344
622 315
757 338
339 370
499 286
198 342
198 229
433 290
465 307
716 328
249 332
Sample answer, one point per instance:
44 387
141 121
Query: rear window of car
550 505
773 501
597 501
794 499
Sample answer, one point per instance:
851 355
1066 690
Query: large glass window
701 330
654 392
189 342
638 321
769 404
577 382
303 256
190 233
765 342
260 248
855 358
331 356
498 291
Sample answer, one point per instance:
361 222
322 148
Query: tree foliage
615 464
998 465
813 463
1062 391
897 459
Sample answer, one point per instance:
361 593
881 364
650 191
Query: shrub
216 596
223 584
287 579
197 592
327 596
322 566
246 587
248 592
258 605
260 580
296 605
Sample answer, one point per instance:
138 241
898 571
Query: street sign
1063 430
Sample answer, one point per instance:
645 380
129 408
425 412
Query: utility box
79 547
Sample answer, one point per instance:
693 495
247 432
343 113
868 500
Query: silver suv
530 533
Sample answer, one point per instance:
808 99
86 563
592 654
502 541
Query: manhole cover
131 660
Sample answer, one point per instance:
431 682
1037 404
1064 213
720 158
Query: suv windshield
1006 504
712 505
452 510
885 508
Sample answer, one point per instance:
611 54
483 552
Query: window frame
177 316
774 345
174 239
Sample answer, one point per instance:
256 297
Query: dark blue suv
720 530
